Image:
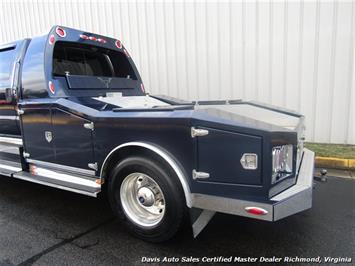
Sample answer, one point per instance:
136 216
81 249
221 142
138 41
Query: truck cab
74 115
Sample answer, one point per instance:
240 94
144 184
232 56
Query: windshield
88 60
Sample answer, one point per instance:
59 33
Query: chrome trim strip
163 155
65 177
9 117
61 167
33 180
11 168
16 141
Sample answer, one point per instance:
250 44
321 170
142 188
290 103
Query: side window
7 58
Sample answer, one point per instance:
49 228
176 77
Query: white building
298 54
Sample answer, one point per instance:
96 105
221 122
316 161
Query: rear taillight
60 32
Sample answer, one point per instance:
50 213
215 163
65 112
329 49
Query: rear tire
147 196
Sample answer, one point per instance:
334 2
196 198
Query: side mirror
8 95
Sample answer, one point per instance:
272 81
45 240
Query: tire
147 196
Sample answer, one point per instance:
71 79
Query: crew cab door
10 58
73 140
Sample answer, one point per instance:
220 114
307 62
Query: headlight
281 162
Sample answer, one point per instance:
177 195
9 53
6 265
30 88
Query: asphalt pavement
45 226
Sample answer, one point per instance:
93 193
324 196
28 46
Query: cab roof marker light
101 40
256 210
51 39
83 36
60 32
92 38
51 87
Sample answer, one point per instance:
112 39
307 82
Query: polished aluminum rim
142 200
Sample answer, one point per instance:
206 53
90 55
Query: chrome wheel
142 200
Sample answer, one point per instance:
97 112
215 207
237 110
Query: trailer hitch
323 176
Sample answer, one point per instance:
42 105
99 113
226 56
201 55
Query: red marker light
51 39
33 169
51 87
101 40
256 210
60 32
83 36
118 44
93 38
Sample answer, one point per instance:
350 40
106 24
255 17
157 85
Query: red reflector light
118 44
256 210
61 32
83 36
93 38
101 40
51 87
51 39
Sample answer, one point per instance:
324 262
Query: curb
335 163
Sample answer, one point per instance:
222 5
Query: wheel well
127 151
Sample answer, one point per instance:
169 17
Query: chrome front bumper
293 200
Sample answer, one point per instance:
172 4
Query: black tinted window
7 58
88 60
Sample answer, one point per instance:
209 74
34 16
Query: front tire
147 196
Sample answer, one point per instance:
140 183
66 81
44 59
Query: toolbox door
73 140
220 153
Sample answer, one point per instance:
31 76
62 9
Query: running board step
62 181
10 151
7 168
11 141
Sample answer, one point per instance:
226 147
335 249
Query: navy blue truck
74 115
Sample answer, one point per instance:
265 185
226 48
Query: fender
164 155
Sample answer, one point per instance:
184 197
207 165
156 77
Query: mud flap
199 219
